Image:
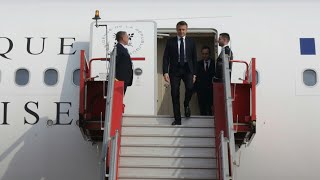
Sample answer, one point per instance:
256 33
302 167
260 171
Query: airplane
40 50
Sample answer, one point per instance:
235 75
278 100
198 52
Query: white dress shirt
123 45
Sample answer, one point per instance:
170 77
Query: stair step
150 173
163 121
168 131
167 152
168 142
159 179
155 162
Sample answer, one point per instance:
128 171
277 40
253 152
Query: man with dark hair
203 85
223 41
124 70
180 63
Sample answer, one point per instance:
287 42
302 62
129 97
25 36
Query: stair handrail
228 108
108 113
114 157
224 167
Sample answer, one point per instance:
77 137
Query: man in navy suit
203 85
180 63
124 70
224 39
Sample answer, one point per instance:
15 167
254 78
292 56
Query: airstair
148 147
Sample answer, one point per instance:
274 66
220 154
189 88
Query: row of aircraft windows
51 77
22 77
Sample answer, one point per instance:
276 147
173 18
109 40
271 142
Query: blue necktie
181 52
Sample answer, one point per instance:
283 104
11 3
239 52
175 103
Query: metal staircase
148 147
153 149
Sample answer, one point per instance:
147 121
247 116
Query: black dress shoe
187 111
176 123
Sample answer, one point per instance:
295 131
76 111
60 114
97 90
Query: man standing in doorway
180 63
223 41
124 70
203 85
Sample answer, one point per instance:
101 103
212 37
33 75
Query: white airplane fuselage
39 136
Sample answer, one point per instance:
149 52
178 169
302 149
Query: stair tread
161 179
166 173
166 121
167 152
165 125
165 116
156 162
169 131
168 141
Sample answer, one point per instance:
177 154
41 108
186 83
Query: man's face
221 41
125 39
182 30
205 54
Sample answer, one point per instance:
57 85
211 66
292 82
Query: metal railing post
114 157
228 108
108 114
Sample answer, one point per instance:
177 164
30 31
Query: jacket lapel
175 45
187 46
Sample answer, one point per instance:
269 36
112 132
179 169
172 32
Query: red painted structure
244 110
92 106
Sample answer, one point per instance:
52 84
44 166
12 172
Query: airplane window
50 77
257 78
309 77
76 77
250 77
22 77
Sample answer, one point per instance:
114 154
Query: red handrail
247 69
95 59
254 83
83 76
220 124
116 120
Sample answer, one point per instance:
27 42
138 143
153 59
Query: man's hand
194 78
166 77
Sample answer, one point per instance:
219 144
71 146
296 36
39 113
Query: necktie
207 63
181 52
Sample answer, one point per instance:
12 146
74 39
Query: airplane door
140 98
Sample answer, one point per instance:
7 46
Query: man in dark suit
180 63
124 70
203 85
223 40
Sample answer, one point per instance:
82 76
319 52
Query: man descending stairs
153 149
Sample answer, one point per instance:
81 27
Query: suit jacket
171 55
204 78
124 70
218 74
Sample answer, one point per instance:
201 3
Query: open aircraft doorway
202 37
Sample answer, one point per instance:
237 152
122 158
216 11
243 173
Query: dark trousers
205 100
125 88
183 73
